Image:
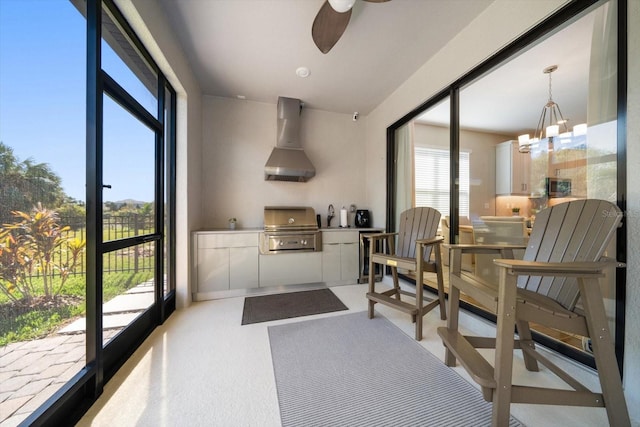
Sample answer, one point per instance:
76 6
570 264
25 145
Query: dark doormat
287 305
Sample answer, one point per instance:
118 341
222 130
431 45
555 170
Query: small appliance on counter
363 220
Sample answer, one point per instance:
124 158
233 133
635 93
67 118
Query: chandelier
550 122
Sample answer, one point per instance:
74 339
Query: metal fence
133 259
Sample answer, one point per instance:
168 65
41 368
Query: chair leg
505 324
524 333
396 281
372 281
455 259
440 280
604 354
419 288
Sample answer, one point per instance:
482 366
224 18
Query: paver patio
32 371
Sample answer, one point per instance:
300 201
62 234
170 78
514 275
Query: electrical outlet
486 205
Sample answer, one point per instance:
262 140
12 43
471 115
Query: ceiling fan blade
328 27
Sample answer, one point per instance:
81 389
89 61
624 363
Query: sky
42 101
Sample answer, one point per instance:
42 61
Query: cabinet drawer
227 240
329 237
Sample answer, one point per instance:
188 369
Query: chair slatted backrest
416 223
579 230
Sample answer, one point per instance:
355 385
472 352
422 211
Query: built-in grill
290 229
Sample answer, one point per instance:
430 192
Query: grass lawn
23 321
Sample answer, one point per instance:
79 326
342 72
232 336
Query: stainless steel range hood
288 161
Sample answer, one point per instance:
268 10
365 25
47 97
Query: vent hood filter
288 161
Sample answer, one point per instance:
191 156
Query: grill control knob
304 242
281 243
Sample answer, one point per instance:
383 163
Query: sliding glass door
512 158
87 174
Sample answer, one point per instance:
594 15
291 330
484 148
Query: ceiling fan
331 21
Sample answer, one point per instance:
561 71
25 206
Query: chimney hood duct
288 162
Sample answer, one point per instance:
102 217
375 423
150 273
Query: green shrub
34 322
27 249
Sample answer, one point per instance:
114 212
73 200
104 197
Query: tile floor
202 368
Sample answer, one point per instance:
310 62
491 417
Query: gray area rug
287 305
352 371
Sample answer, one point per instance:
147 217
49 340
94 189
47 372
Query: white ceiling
253 47
510 98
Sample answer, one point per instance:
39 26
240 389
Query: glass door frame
77 395
563 16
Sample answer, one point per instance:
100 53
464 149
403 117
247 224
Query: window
432 179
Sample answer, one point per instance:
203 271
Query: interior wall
150 25
238 138
482 161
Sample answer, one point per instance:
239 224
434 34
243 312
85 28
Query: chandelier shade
550 124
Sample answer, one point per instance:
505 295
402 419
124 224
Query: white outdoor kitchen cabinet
340 256
290 268
225 261
512 170
231 261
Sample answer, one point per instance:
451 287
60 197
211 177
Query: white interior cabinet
225 261
513 170
340 256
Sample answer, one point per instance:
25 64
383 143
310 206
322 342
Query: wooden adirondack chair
562 263
416 240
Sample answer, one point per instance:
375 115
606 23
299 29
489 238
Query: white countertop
258 229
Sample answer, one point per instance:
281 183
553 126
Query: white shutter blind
432 179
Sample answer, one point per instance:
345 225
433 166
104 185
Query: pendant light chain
550 97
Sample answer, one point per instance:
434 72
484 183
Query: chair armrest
377 236
431 241
482 249
537 268
619 264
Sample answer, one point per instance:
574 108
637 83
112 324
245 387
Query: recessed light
303 72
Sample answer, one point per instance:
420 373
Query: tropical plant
27 249
25 184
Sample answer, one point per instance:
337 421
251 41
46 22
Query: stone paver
10 406
10 357
129 302
15 383
37 400
24 361
41 365
32 371
44 345
32 388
